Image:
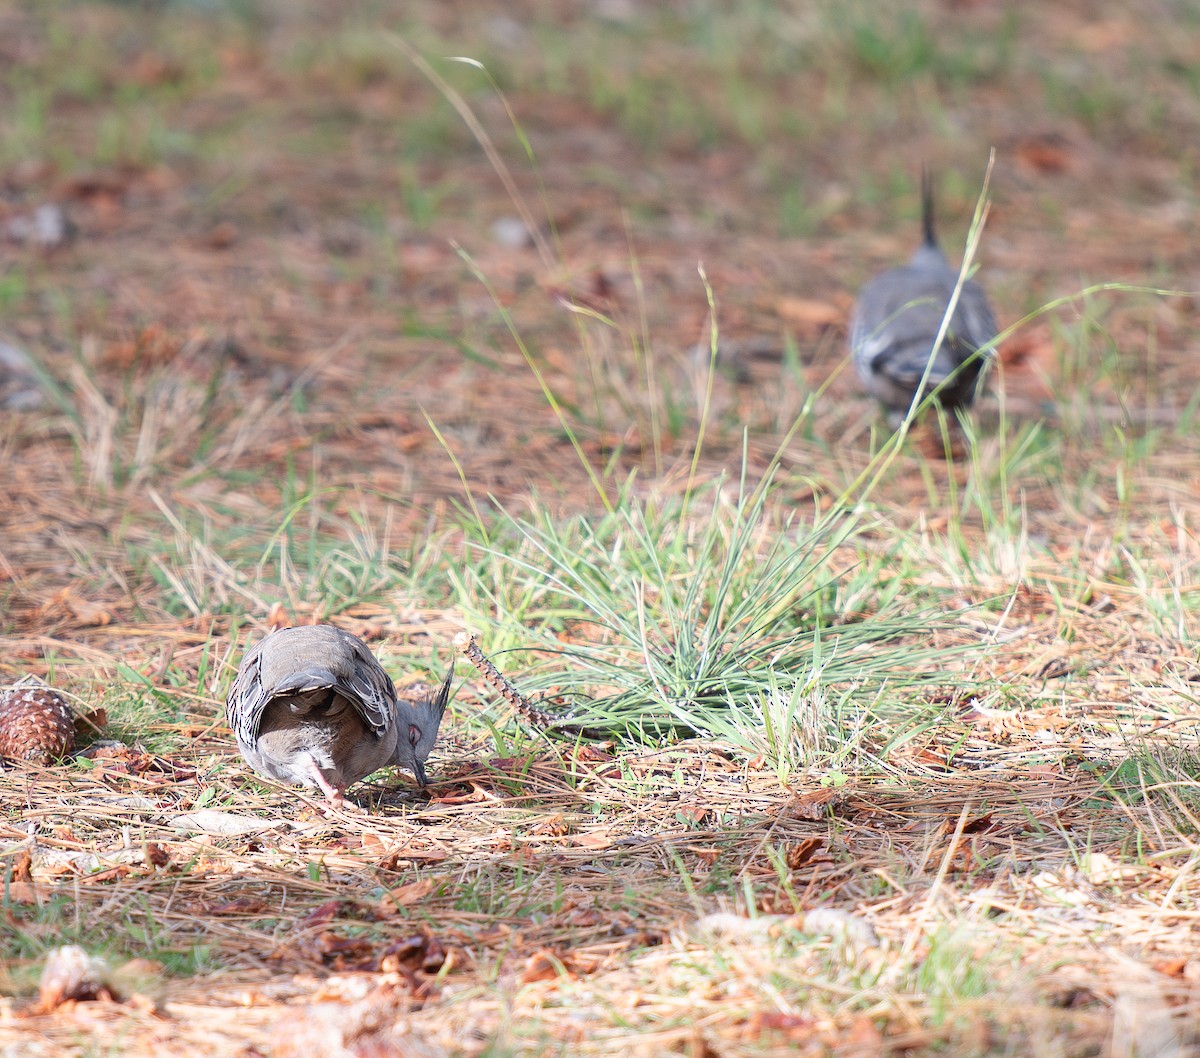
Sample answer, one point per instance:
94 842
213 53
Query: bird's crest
429 718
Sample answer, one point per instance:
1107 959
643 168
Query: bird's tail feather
927 206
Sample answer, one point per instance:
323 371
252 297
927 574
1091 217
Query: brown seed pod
465 642
36 725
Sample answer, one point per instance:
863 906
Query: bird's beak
419 772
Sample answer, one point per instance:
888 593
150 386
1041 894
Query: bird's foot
334 793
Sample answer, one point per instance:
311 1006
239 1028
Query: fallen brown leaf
421 951
21 866
799 854
92 722
407 895
554 826
373 844
793 1026
1171 967
545 965
815 804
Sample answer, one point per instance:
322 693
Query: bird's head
417 729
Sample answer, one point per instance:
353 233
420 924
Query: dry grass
579 899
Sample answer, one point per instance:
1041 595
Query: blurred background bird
312 705
896 320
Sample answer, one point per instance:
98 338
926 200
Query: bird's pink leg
335 795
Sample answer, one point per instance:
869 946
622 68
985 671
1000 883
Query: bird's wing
292 661
246 701
898 316
975 323
361 679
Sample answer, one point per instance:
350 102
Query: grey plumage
312 705
896 320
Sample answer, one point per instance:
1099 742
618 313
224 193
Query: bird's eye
414 734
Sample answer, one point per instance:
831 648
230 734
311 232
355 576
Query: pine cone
36 725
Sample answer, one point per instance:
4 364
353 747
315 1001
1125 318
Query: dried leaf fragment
816 804
799 854
421 951
554 826
91 723
407 895
92 614
22 866
156 855
546 965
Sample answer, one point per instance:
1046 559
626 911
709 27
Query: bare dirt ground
278 352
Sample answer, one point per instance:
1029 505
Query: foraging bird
896 320
312 705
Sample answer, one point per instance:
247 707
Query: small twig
465 642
